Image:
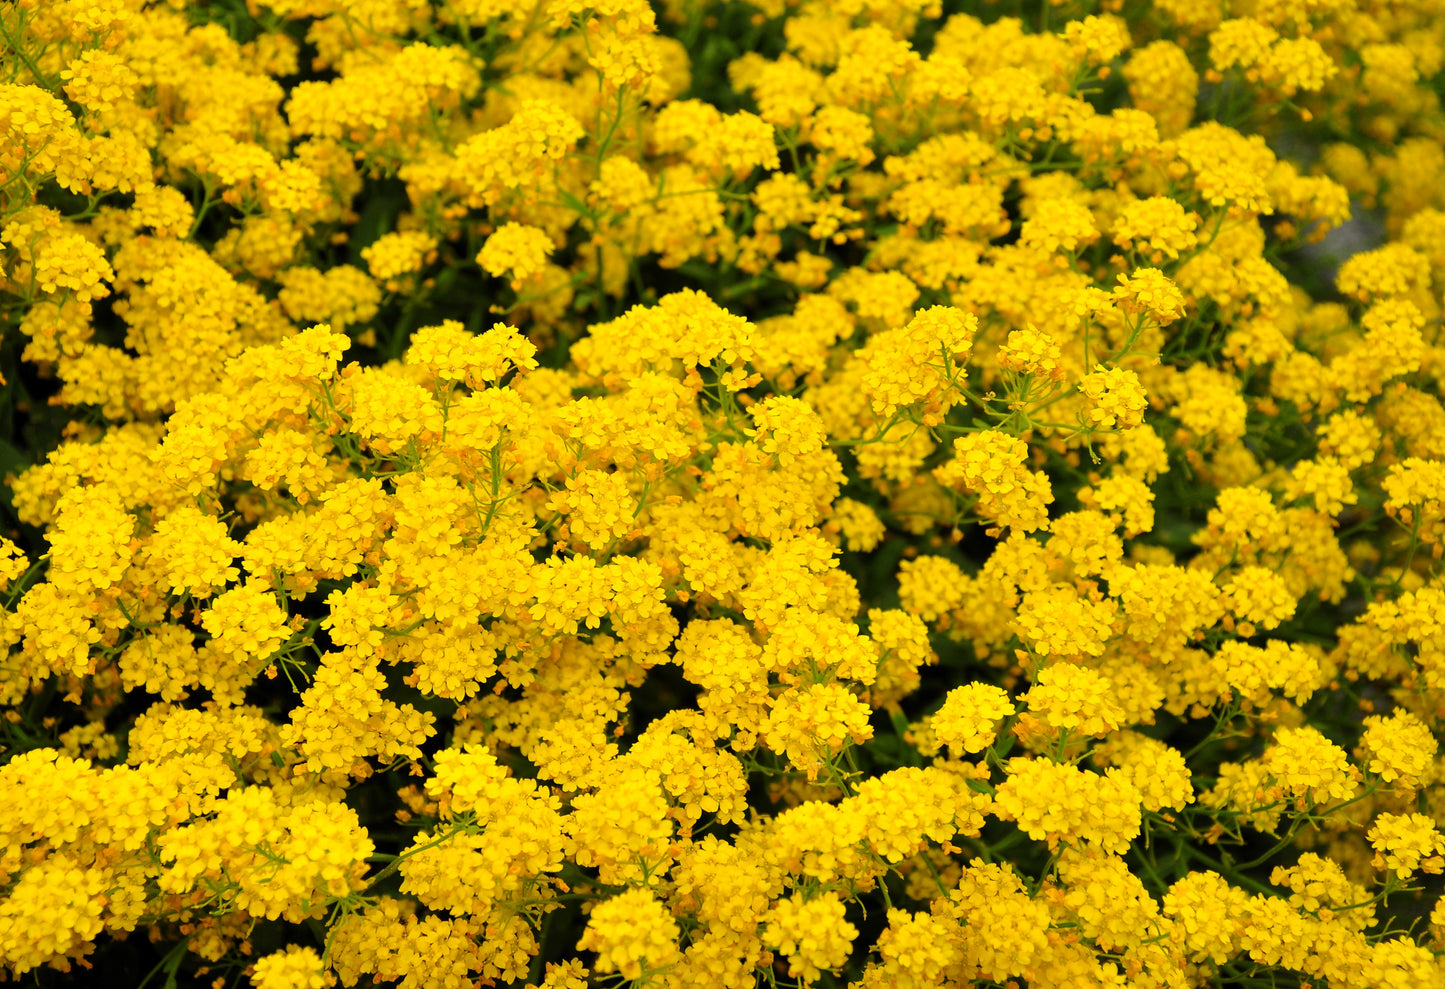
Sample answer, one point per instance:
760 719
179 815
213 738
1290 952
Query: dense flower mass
690 494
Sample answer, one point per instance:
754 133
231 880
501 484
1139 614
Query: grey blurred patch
1365 231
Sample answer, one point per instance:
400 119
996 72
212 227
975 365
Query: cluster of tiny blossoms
534 501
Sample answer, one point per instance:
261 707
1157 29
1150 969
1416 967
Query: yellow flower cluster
704 494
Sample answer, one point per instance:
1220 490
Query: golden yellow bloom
1158 771
1404 843
811 934
632 935
1148 292
292 968
898 301
53 910
402 252
90 541
1305 765
1157 224
1004 930
970 716
1074 698
1400 749
516 249
812 724
453 354
1059 622
1111 904
1055 801
919 363
195 551
1030 351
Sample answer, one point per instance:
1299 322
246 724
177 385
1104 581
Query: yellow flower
1406 842
918 364
1116 396
1400 749
1258 596
812 724
292 967
1030 351
1148 292
1074 698
970 716
1305 765
1059 622
632 934
195 551
516 249
401 252
1157 770
1056 801
810 933
53 911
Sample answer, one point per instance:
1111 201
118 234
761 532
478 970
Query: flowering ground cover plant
831 493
